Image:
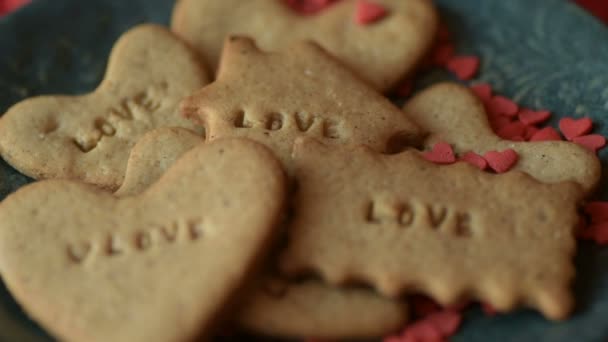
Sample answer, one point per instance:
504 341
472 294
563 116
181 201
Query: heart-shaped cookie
159 266
403 224
382 52
274 98
452 113
89 137
274 306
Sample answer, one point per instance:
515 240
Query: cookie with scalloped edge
403 224
276 97
382 53
163 265
452 113
274 306
89 137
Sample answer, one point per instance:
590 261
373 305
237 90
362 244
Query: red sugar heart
369 12
464 67
597 232
530 117
592 142
598 211
447 321
488 309
483 92
572 128
424 306
442 153
546 134
500 105
422 330
443 33
530 132
501 161
511 130
7 6
443 53
498 121
475 160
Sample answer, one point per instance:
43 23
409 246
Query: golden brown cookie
455 115
274 98
89 137
382 52
154 154
311 308
403 224
160 266
274 306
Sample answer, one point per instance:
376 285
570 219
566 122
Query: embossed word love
115 244
403 224
89 137
274 98
109 266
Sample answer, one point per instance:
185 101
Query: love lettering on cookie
89 137
116 244
274 306
137 107
274 98
409 213
403 224
313 125
452 113
64 241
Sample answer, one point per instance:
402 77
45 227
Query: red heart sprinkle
592 142
447 321
498 121
572 128
442 153
512 130
369 12
424 306
475 160
483 92
530 132
488 309
464 67
422 330
546 134
443 53
443 33
7 6
597 232
598 211
500 105
501 161
530 117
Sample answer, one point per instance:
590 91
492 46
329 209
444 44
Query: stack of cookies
245 172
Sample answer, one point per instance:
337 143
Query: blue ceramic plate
544 54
